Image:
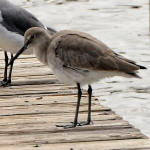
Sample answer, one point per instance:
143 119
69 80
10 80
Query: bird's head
32 37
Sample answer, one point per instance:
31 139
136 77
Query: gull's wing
80 50
18 20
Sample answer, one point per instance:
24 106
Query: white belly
69 76
11 41
77 75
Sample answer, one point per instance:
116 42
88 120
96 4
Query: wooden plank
36 126
53 101
138 144
43 109
40 118
69 136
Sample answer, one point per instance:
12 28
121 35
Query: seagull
14 21
77 58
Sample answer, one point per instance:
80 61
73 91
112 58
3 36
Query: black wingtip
133 74
141 67
51 30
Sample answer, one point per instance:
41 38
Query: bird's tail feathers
142 67
135 75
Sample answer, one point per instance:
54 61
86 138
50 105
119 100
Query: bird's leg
89 109
7 81
78 105
74 124
10 72
4 82
89 106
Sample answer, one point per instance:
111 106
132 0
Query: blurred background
124 27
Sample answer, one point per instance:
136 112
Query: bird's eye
32 37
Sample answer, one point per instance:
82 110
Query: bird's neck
40 50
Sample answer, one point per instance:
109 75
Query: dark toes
83 123
72 125
4 84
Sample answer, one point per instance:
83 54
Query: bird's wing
80 50
18 20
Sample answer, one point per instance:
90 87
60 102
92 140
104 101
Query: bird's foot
72 125
83 123
4 83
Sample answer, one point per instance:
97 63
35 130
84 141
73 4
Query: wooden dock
36 102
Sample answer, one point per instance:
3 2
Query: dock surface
37 101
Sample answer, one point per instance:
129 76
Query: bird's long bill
18 53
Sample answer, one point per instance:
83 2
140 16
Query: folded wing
80 50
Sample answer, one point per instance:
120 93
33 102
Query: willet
14 21
77 58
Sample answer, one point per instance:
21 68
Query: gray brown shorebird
77 58
14 21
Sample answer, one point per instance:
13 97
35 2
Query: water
123 26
